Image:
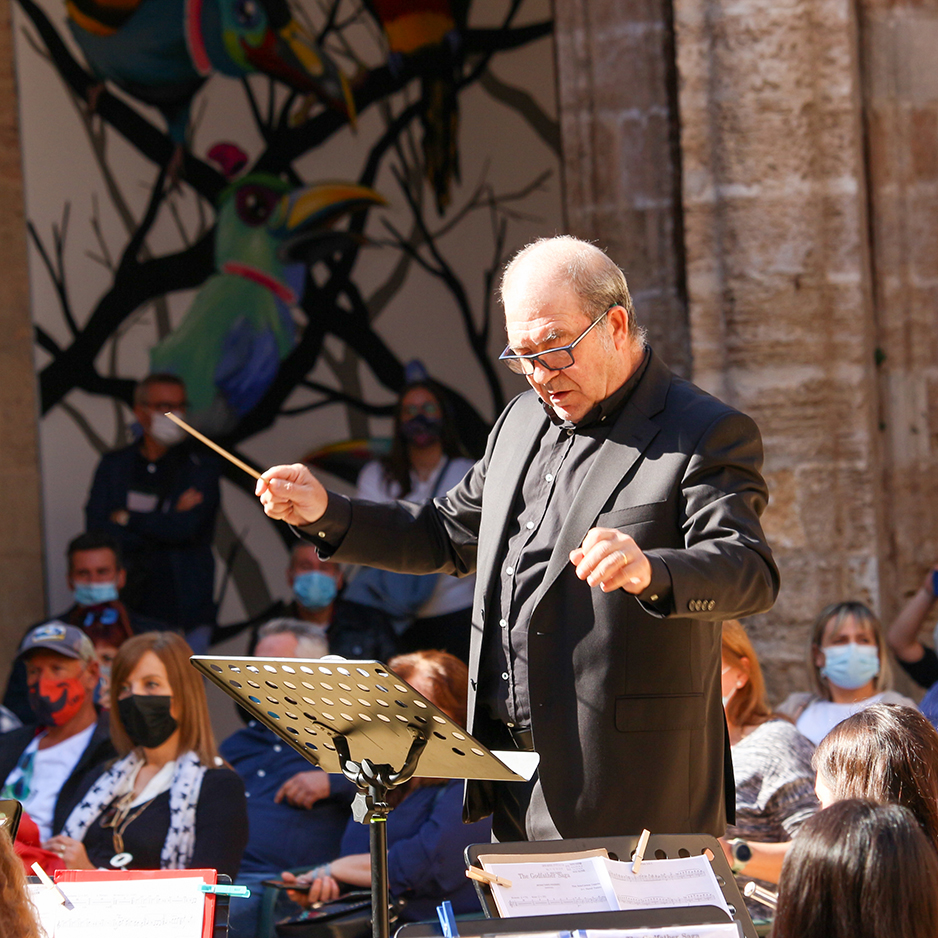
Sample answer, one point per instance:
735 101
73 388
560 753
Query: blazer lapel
630 436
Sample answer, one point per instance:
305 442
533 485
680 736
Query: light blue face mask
93 594
314 590
850 666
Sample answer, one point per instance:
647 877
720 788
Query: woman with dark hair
17 918
771 767
887 754
859 870
425 461
849 667
426 835
169 802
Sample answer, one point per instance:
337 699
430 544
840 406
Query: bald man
613 523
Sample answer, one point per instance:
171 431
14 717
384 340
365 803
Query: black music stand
360 720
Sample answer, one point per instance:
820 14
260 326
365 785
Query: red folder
90 876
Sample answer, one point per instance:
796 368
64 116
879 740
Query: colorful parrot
229 346
161 51
412 26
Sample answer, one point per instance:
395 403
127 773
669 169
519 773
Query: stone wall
21 579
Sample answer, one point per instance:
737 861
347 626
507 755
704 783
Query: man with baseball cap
50 767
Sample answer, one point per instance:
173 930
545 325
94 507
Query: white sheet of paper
729 930
154 908
660 884
553 888
47 908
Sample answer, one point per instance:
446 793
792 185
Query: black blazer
625 696
90 765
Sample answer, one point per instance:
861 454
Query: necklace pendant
120 860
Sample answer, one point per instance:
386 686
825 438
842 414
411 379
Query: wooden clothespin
483 876
640 850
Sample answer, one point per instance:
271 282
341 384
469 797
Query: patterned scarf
183 799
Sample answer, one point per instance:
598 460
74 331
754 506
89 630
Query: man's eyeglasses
554 359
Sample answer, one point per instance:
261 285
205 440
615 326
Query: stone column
778 273
21 568
621 159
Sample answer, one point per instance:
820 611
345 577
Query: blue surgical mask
850 666
93 594
314 590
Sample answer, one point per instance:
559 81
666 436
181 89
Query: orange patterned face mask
56 701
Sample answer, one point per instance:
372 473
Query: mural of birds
411 27
239 327
161 51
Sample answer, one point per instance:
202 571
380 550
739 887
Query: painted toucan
161 51
239 327
412 26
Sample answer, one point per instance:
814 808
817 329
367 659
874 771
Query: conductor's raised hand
292 494
611 560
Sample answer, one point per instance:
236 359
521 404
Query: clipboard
114 876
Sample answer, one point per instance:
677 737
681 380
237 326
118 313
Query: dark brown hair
17 919
748 706
396 464
195 728
859 870
888 754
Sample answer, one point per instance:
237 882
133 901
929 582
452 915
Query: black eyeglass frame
518 363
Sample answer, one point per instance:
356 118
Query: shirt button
247 794
278 747
509 570
504 675
503 623
570 432
530 525
321 534
261 773
549 477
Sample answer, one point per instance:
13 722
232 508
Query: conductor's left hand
611 560
292 494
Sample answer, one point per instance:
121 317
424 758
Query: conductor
613 523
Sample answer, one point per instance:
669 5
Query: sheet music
142 908
553 888
729 930
663 883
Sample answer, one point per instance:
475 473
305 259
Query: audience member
849 667
95 577
50 771
426 836
917 660
426 460
314 583
771 765
159 498
17 916
169 802
296 814
887 754
859 870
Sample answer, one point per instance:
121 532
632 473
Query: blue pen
447 919
240 892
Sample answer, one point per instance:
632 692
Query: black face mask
422 430
147 719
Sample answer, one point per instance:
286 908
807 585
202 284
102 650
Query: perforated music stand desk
360 720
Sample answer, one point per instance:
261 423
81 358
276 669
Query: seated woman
771 766
169 802
849 667
859 868
886 754
426 835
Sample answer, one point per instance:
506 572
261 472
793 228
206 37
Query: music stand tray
360 720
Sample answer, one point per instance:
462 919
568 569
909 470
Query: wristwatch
741 853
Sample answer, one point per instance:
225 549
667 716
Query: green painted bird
412 27
161 51
239 328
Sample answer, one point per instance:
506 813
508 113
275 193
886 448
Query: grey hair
310 639
587 270
142 387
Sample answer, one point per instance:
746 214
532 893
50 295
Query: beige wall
21 582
